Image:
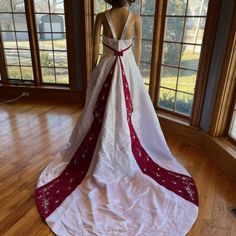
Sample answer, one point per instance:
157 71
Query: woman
117 175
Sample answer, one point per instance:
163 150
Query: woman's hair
119 3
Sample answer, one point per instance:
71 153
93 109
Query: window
35 51
14 34
51 31
146 8
181 50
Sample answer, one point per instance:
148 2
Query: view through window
51 34
51 30
184 29
14 34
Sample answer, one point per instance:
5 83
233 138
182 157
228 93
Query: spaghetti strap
108 17
109 20
126 26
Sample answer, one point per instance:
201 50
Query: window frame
34 49
205 58
232 111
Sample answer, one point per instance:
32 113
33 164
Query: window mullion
29 8
68 7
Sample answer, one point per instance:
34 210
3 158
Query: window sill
59 87
172 118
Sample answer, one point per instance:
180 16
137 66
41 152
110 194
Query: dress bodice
115 43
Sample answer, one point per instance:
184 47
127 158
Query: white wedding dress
116 175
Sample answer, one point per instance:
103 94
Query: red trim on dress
52 194
182 185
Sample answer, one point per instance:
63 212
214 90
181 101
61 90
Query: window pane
190 56
197 7
194 30
25 57
56 6
20 22
47 58
11 57
232 131
48 75
45 41
6 22
187 81
41 6
6 6
9 39
169 77
146 51
176 7
14 72
27 73
22 40
147 7
174 29
59 41
166 98
183 103
18 6
62 76
171 54
60 59
147 31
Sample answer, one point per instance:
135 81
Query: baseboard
222 153
181 130
44 93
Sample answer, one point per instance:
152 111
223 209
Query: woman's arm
96 39
138 39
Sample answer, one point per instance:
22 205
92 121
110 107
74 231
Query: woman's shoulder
100 16
135 15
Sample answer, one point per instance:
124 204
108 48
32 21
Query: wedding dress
116 175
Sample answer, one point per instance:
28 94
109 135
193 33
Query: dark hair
119 3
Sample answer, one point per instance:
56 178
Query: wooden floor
31 132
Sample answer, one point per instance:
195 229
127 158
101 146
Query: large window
35 50
50 20
182 44
14 32
146 8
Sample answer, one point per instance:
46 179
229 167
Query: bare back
119 19
118 16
